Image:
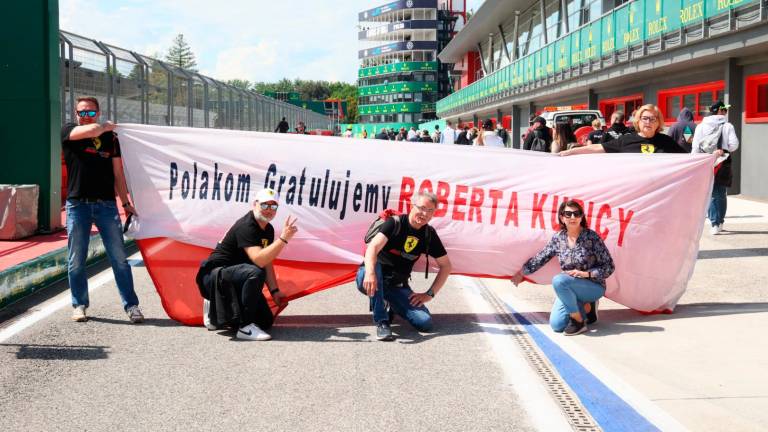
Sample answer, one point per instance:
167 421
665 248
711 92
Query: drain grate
575 412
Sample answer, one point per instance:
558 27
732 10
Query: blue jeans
571 293
718 204
398 296
80 216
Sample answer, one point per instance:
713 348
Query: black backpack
539 144
376 225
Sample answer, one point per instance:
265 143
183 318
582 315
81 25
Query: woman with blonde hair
647 138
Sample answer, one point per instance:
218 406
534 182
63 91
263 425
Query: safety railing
135 88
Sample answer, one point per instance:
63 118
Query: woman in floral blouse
586 264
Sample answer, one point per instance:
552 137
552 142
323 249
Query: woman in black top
648 122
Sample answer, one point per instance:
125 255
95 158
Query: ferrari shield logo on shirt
264 243
648 148
410 244
96 142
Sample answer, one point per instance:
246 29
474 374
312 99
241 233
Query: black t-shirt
596 136
246 232
634 143
402 250
89 164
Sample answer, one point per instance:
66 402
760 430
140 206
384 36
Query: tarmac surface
491 364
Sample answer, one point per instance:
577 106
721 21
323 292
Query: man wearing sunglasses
389 259
232 278
94 173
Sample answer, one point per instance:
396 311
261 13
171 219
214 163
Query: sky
255 40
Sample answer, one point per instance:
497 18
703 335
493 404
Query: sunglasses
423 209
84 114
570 214
269 206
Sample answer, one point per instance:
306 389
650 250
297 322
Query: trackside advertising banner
497 207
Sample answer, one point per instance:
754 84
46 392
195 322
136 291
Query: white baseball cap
267 194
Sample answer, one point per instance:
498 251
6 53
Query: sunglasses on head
87 113
265 206
575 213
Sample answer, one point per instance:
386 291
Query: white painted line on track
58 302
543 411
638 401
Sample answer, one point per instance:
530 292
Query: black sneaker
575 327
384 332
592 314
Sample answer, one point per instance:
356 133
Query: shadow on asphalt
335 328
691 310
154 322
732 253
58 352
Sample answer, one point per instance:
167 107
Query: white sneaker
206 318
78 314
253 332
715 230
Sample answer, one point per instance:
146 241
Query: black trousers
238 299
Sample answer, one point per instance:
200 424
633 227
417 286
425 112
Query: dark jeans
397 295
247 281
718 204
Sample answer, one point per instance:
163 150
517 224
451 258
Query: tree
241 84
180 54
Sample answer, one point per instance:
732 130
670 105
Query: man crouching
389 259
232 278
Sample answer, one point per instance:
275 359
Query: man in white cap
232 278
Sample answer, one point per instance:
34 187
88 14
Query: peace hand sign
290 228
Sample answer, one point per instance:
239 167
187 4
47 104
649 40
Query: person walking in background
683 129
425 136
95 172
463 137
436 135
488 137
585 263
282 126
449 134
715 135
539 138
502 133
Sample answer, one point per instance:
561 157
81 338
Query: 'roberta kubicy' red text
463 203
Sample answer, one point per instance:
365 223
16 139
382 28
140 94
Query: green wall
30 103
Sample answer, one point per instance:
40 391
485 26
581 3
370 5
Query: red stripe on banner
173 265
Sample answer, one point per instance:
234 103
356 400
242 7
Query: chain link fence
134 88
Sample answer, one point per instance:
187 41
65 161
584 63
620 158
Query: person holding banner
232 278
95 173
647 138
586 264
389 259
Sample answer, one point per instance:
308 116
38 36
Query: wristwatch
430 293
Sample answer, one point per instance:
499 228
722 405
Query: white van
577 118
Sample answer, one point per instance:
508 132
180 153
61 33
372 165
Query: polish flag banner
497 207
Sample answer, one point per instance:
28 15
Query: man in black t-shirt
389 259
94 173
282 126
232 278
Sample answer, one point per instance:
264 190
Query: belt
92 200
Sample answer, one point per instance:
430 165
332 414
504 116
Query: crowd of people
232 278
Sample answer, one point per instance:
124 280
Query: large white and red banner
497 208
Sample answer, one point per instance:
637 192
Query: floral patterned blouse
588 254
